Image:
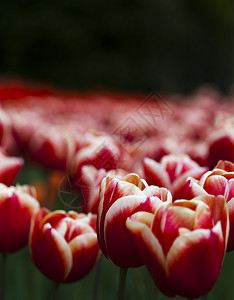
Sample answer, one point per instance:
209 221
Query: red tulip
89 185
48 147
17 207
9 168
221 140
119 199
64 245
219 181
221 146
98 150
172 172
183 244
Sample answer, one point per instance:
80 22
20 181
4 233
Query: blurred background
171 46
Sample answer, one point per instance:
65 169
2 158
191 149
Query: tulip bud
17 207
119 199
183 244
63 245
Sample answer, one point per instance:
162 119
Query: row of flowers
181 239
52 129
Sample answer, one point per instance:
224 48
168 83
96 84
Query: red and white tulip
17 207
119 199
183 244
64 246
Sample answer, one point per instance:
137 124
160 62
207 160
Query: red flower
172 172
9 168
119 199
221 142
64 245
98 150
48 146
17 207
183 244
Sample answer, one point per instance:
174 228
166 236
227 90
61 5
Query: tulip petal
178 184
85 250
230 206
218 207
229 193
51 254
151 251
53 217
192 189
120 246
167 222
225 165
155 173
215 185
162 193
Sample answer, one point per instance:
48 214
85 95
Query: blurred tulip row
154 179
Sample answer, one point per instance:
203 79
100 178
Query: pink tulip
119 199
64 245
183 244
172 172
17 207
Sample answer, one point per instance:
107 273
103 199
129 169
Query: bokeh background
171 46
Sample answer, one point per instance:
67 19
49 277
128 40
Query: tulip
98 150
172 172
221 146
89 185
119 199
48 147
183 244
17 207
63 245
9 168
219 181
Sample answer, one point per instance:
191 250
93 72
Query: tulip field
115 196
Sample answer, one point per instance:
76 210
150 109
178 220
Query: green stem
3 276
122 283
97 279
204 297
54 291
